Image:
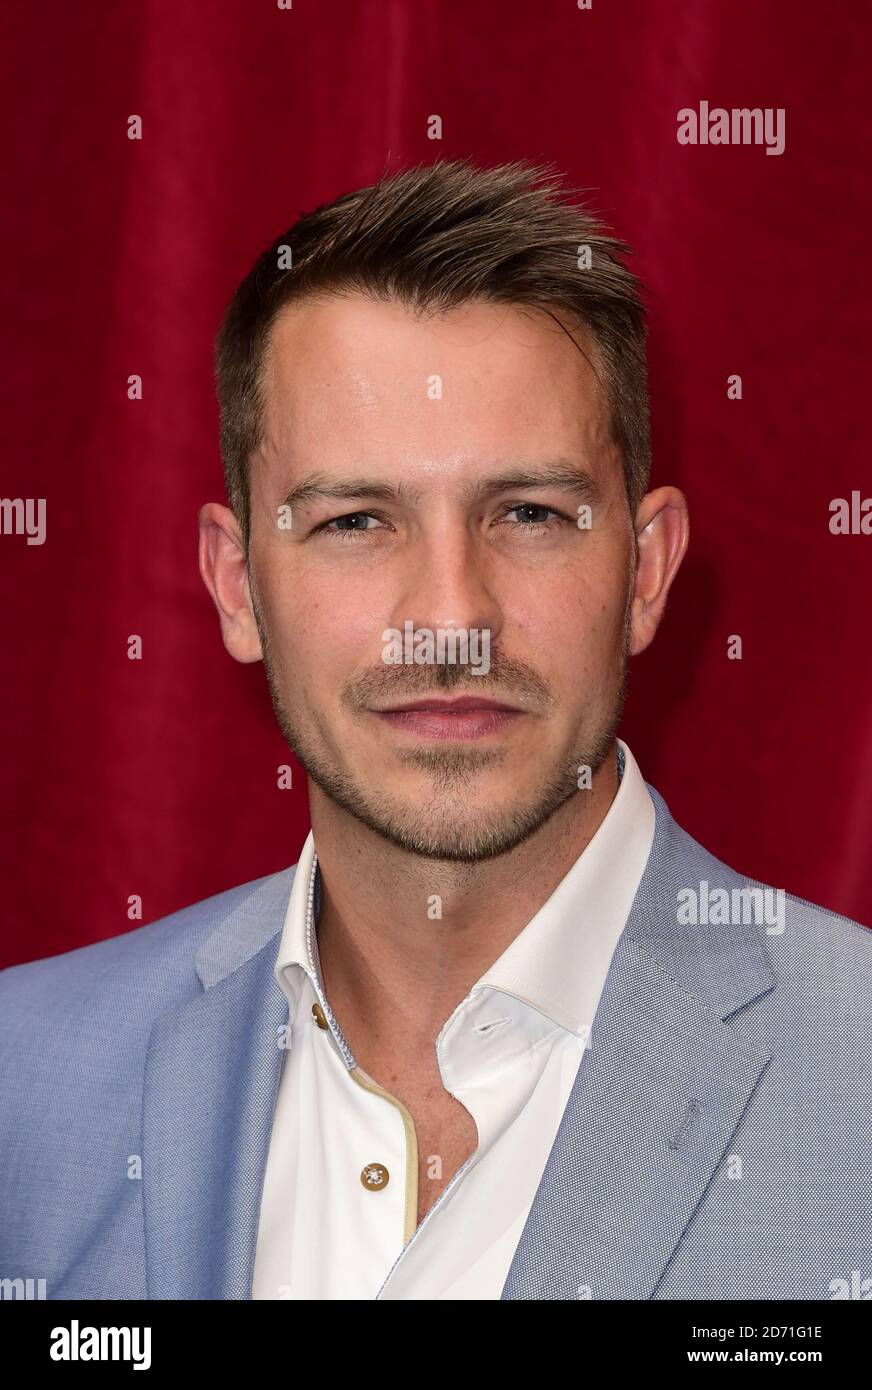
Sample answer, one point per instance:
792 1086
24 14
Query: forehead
351 377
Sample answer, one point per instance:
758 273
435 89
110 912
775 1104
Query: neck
402 938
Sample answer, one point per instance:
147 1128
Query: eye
536 523
337 527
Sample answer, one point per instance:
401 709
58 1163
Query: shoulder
75 1028
812 948
139 972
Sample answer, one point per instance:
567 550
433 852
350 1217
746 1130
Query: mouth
467 717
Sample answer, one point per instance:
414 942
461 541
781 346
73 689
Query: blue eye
536 507
334 527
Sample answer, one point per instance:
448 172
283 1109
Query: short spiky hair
435 237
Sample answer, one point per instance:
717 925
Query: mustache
508 679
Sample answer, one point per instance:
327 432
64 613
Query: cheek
316 647
581 643
600 606
583 614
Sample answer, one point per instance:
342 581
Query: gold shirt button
374 1177
319 1016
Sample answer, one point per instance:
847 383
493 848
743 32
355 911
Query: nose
448 586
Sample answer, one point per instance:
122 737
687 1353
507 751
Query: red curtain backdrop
158 777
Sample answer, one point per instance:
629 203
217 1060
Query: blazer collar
246 930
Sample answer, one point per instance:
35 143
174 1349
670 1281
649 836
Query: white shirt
330 1226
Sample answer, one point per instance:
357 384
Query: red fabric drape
158 777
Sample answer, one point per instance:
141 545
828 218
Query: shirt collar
558 963
298 948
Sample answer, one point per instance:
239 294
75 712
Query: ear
662 531
225 574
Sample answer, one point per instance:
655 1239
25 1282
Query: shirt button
374 1177
319 1016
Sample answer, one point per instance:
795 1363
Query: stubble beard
443 834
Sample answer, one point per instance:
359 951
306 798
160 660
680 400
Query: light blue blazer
717 1142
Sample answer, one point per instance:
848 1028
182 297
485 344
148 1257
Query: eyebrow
556 473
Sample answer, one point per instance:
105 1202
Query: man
505 1030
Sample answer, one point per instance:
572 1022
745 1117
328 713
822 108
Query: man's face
415 423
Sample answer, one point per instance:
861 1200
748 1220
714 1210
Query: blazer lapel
658 1095
211 1076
